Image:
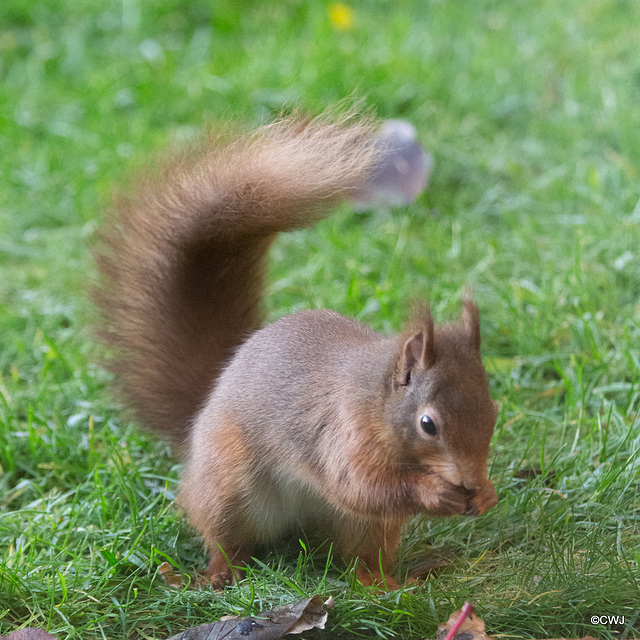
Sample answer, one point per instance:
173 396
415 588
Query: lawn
531 112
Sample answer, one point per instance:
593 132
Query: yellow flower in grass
341 15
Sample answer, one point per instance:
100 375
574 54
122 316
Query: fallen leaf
473 629
28 634
268 625
172 578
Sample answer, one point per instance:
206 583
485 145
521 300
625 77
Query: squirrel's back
290 374
181 260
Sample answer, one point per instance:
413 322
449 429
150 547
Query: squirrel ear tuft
418 351
471 321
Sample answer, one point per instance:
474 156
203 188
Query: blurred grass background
530 110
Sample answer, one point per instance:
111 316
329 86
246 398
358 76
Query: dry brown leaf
268 625
172 578
28 634
473 629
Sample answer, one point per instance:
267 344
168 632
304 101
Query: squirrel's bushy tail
181 261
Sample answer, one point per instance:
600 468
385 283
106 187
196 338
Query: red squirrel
314 418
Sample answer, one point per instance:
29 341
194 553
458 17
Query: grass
530 111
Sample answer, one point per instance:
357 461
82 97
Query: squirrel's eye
428 425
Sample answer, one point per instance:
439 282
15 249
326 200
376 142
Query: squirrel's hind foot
226 566
376 579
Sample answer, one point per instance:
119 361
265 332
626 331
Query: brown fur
330 437
182 260
314 419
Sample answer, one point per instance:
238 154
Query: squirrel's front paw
445 499
482 500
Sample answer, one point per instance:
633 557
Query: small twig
467 609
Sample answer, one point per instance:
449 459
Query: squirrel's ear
418 351
471 321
